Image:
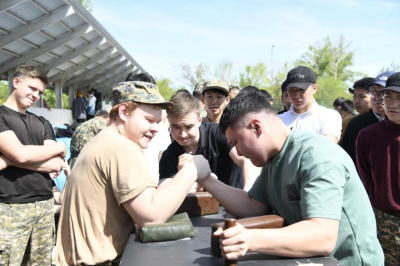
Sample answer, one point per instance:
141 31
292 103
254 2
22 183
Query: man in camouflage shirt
86 131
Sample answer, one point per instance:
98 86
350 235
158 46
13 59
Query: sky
162 35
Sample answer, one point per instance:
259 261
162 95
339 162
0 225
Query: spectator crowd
332 174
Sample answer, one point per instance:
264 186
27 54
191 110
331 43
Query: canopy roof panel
63 39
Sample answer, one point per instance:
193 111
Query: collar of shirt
312 109
377 116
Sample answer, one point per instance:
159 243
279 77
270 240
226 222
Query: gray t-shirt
314 178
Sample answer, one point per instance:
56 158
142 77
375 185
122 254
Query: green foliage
3 91
329 89
87 4
165 88
50 97
224 72
392 67
256 76
330 60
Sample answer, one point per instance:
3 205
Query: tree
224 72
3 91
329 60
330 89
256 76
50 97
392 67
87 4
165 88
193 75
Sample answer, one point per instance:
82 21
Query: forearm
49 166
154 206
331 137
31 154
250 174
302 239
236 201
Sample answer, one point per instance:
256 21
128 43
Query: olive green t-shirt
314 178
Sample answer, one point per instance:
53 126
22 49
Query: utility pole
272 66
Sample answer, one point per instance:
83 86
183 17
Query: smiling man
305 113
28 154
378 163
196 138
306 179
111 187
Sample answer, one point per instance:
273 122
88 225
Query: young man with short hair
28 154
378 162
192 136
306 179
215 97
111 188
361 101
374 115
305 113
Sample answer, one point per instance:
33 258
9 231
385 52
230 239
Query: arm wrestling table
197 251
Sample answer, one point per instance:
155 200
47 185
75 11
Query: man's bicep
138 207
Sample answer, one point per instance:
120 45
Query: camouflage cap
198 87
216 85
140 92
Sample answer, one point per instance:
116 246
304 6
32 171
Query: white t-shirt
160 142
317 119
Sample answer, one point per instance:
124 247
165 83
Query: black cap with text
300 77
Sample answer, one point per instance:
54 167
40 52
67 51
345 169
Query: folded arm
12 148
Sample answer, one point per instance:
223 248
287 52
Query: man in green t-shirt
307 179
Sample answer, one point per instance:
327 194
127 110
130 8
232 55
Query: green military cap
216 85
140 92
198 87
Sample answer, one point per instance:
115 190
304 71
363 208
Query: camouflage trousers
388 228
26 233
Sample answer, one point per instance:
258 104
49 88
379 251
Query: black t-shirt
214 146
353 128
19 185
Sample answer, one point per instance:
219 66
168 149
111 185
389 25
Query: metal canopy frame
63 39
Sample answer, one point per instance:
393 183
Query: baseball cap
393 83
300 77
216 85
381 78
140 92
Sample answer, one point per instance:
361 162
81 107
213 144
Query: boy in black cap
305 113
378 161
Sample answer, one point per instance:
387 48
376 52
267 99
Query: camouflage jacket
82 135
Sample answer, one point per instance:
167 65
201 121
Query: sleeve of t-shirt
168 166
363 163
223 141
3 124
129 173
48 131
332 124
322 184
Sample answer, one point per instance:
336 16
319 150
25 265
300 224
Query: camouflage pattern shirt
82 135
